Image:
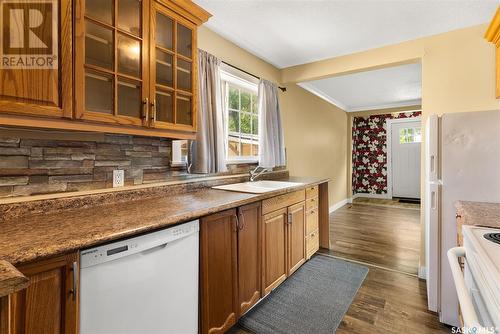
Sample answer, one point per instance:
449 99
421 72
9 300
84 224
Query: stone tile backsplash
41 166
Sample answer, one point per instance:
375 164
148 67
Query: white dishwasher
143 285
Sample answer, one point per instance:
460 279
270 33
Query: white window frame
246 82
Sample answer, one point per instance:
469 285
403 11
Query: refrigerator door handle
433 200
433 164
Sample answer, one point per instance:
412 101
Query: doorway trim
388 123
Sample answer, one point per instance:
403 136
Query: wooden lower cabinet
49 304
218 272
283 239
249 256
274 250
312 221
296 237
230 266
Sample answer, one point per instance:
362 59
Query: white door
406 137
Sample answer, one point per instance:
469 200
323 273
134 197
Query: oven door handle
467 307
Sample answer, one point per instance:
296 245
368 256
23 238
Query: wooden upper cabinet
249 256
118 66
218 272
49 304
111 59
136 62
38 79
493 35
173 67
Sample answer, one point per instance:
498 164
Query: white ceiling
377 89
291 32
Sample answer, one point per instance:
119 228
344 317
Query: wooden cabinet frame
492 35
296 211
80 66
214 267
60 105
52 278
276 217
249 281
159 7
61 108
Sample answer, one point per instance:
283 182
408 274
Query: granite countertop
479 213
11 280
39 236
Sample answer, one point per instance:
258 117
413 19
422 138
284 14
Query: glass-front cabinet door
111 61
172 64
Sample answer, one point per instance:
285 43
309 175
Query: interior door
406 138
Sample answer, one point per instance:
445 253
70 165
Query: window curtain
209 148
271 141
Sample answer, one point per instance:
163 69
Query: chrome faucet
254 174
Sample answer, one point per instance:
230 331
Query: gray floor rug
313 300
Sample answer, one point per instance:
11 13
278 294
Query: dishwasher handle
468 311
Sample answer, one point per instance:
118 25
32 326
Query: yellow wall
315 131
458 73
458 69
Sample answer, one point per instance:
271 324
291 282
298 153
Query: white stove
479 287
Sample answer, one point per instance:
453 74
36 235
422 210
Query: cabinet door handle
241 221
74 289
237 222
290 218
153 111
145 110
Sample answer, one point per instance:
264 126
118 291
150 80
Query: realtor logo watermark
29 34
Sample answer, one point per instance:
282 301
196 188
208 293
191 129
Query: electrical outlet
118 178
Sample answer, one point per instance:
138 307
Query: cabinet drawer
312 243
311 192
312 222
282 201
311 203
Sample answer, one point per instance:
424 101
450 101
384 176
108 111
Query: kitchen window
242 115
410 135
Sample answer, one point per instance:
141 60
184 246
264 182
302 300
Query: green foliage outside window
243 121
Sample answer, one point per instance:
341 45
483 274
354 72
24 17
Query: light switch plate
118 178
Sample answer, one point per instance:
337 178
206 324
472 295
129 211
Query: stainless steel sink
258 187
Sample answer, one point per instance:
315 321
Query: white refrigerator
462 163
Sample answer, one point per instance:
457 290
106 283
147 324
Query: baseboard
365 195
422 273
338 205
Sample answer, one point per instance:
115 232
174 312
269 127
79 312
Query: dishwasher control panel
119 249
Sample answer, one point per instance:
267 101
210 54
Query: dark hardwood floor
390 302
381 235
393 300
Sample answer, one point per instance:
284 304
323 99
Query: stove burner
494 237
